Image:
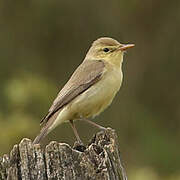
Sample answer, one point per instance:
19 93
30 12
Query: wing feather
87 74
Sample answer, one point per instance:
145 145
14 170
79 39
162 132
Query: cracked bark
100 160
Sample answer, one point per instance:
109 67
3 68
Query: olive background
42 42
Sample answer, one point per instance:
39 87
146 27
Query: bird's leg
75 132
93 123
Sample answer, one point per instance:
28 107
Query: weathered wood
100 160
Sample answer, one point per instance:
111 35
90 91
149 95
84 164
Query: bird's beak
123 47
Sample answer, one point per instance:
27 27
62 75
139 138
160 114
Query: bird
90 89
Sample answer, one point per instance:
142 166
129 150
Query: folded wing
86 75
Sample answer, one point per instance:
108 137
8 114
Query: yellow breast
99 96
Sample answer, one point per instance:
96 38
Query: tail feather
41 135
47 127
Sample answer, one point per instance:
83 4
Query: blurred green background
41 44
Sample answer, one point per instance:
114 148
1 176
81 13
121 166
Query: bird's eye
106 49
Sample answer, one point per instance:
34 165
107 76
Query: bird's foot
79 146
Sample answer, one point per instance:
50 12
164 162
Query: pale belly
96 98
93 101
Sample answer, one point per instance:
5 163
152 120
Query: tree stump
100 160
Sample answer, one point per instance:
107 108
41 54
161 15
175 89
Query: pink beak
126 46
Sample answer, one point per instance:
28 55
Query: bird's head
107 49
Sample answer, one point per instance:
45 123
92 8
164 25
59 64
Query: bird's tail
47 127
41 135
